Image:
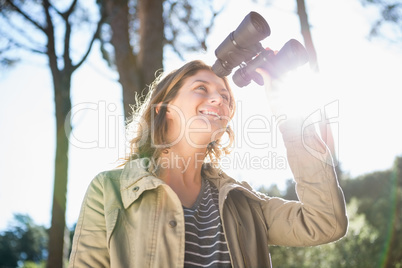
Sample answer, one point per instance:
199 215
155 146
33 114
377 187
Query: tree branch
55 9
174 48
68 12
22 13
67 38
94 37
71 9
24 35
51 46
26 47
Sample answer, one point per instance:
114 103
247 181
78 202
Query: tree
136 64
324 124
379 199
23 241
8 249
139 31
47 28
306 33
374 206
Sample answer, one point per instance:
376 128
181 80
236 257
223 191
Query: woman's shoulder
106 179
130 168
126 175
112 174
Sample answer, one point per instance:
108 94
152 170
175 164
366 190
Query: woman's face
200 112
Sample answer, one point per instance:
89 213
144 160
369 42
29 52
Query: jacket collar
226 184
135 179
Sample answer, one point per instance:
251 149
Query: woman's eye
225 97
202 88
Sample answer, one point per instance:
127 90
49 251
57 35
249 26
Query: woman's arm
319 216
89 244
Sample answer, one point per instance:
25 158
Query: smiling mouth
211 113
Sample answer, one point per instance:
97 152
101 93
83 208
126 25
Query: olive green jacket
129 218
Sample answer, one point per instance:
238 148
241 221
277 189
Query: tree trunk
61 87
45 23
324 125
136 71
305 30
56 232
150 56
130 79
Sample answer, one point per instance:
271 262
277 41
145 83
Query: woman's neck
182 164
181 170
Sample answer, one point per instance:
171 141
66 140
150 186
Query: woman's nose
215 98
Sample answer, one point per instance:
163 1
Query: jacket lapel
134 180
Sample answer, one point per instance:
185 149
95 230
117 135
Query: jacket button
136 188
172 224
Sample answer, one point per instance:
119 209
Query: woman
171 205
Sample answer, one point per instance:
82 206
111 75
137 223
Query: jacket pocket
111 220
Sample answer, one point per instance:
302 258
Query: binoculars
242 48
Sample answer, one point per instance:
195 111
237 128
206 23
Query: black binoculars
242 48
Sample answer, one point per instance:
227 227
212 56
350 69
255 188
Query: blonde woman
172 206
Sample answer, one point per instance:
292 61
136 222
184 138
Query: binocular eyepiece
242 48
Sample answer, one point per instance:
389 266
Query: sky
359 84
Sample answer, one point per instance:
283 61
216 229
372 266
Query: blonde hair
150 127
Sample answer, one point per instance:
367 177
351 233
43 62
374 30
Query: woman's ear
159 107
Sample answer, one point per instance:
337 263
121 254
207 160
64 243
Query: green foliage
374 206
8 250
31 264
24 243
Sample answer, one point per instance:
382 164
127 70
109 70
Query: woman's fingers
266 77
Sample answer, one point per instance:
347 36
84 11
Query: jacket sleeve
89 244
319 216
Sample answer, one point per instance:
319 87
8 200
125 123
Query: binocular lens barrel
251 30
241 45
290 56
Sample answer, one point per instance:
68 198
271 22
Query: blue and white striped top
205 241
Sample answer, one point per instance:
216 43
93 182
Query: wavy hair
149 128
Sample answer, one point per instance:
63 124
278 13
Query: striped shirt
205 241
